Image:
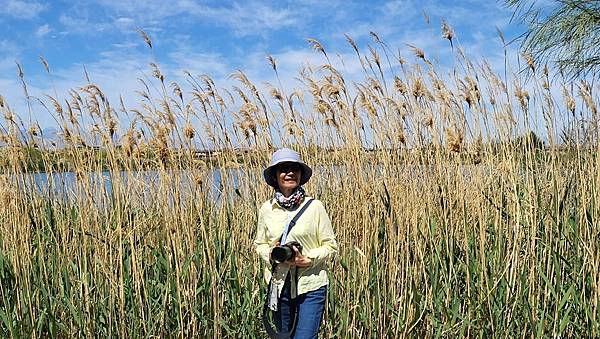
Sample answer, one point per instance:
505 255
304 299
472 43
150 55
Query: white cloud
198 63
125 23
7 89
8 47
254 18
244 18
125 45
10 90
42 31
22 9
146 8
82 24
6 64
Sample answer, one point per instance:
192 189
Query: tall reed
453 218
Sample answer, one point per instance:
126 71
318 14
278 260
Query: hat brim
269 173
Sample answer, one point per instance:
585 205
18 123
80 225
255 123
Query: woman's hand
299 259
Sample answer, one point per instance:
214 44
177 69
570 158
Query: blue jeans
310 312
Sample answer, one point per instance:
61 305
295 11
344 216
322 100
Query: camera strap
294 220
271 330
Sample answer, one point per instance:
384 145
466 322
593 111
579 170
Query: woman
299 283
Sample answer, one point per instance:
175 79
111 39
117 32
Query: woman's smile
288 180
288 177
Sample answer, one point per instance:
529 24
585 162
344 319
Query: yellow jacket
312 230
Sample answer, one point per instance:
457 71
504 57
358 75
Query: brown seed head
375 85
272 62
367 105
477 150
45 64
34 130
417 51
401 136
112 126
249 110
428 121
447 32
146 38
128 142
351 42
546 85
189 131
275 94
418 88
375 56
316 45
454 140
569 101
400 86
156 72
530 62
331 90
586 94
9 116
177 90
521 95
322 107
331 122
57 107
376 37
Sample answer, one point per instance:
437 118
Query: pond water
67 186
211 183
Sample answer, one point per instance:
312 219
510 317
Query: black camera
285 252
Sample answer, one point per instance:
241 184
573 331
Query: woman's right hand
300 260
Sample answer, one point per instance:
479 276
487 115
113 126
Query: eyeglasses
287 167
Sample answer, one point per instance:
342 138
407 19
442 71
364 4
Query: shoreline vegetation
34 159
509 248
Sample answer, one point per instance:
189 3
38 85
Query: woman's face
288 176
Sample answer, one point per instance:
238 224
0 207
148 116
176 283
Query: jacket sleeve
261 242
327 245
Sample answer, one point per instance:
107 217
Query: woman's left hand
299 259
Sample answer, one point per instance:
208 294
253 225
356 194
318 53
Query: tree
563 32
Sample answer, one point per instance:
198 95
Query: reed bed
453 217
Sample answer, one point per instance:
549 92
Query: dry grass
452 221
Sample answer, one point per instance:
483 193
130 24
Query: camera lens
282 253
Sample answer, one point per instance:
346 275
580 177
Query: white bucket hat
285 155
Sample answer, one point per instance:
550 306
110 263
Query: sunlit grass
452 219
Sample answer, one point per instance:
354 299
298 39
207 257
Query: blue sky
218 37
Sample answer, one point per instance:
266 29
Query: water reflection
146 186
150 187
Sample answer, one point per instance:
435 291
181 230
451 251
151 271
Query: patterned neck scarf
292 201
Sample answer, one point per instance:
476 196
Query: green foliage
565 32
